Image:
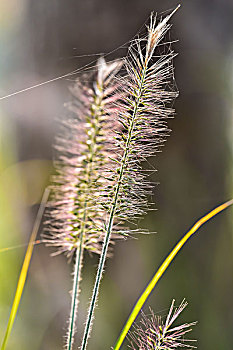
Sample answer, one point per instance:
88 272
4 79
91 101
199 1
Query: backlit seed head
85 143
156 334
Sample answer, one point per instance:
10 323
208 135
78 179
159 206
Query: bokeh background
41 40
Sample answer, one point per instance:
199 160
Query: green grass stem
76 282
75 291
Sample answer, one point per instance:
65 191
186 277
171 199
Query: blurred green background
40 40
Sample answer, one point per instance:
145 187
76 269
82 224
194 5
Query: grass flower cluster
142 112
153 333
84 147
117 120
86 151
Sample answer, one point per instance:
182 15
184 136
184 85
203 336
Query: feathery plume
84 147
155 334
142 112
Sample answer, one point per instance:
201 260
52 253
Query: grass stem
75 291
76 282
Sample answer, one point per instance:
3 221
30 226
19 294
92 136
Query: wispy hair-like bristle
142 112
149 90
84 147
154 333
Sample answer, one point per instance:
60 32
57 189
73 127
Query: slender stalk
74 303
78 264
111 219
76 282
25 267
96 111
159 273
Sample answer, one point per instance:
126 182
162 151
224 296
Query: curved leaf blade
159 273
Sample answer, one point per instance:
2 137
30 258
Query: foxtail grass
154 333
77 214
142 113
116 121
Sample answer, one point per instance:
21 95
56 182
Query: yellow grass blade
24 270
151 285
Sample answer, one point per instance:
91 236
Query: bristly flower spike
84 147
76 219
142 114
154 334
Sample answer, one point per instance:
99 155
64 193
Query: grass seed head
84 148
156 334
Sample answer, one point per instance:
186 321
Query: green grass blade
151 285
24 270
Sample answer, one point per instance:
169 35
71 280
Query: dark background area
40 40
